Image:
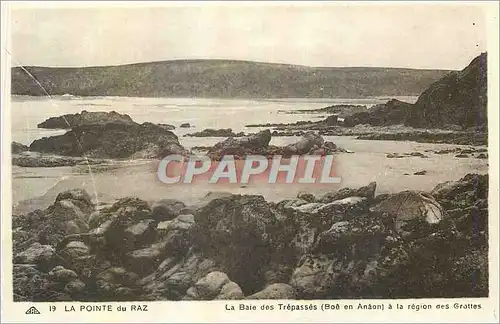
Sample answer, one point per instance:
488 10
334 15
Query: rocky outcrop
223 132
462 193
258 144
391 113
215 285
112 140
70 121
459 98
17 148
350 243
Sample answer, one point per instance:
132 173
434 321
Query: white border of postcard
216 311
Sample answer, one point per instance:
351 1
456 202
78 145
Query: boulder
338 209
59 284
131 228
77 255
79 197
409 205
305 144
43 256
68 215
141 233
117 284
208 287
175 275
275 291
167 209
309 197
144 261
61 274
185 125
174 241
314 277
181 223
348 259
241 146
366 191
230 291
67 281
234 231
462 193
33 285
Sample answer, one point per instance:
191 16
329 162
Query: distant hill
459 98
224 79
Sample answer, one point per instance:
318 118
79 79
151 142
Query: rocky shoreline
393 132
452 110
94 140
349 243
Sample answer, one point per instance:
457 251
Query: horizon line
188 60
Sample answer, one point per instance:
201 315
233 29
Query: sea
37 187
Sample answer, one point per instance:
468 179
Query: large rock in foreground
69 121
112 140
348 244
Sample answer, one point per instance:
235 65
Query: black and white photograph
297 155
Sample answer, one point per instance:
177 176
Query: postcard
250 162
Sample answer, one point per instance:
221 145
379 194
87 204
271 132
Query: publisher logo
32 311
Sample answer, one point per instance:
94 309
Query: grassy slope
223 78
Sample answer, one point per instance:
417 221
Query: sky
442 36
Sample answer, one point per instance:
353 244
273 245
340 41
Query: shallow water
27 112
38 187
